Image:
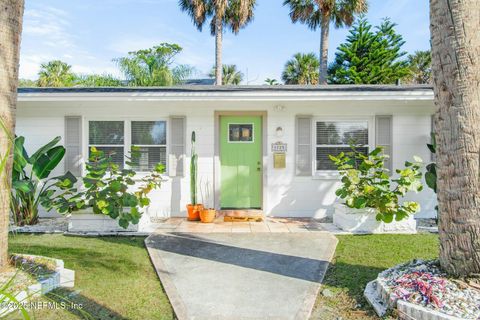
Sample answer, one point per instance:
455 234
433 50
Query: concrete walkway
241 275
268 225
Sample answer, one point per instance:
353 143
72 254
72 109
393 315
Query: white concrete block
364 221
67 278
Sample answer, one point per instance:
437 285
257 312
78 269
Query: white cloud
30 64
90 69
50 25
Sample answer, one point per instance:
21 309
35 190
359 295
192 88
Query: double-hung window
150 137
333 137
116 138
109 137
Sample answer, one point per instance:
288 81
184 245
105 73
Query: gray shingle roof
211 88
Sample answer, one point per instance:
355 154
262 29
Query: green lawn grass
114 277
358 260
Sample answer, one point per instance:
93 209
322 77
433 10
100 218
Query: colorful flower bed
423 283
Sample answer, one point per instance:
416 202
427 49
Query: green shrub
30 178
366 183
106 189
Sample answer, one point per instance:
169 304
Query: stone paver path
268 225
264 275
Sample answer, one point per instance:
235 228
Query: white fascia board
424 95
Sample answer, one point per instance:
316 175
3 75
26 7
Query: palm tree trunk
456 73
324 33
11 16
218 51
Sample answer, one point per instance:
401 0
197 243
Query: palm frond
311 12
301 69
198 10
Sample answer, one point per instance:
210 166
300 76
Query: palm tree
230 74
11 18
97 80
55 73
454 27
301 69
420 66
154 66
232 14
318 14
271 82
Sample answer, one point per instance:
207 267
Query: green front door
241 162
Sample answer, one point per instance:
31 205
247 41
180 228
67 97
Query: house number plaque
279 147
279 150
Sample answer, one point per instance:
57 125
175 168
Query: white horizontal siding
286 194
39 130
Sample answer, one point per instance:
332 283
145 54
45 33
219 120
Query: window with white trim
109 137
151 139
333 137
116 138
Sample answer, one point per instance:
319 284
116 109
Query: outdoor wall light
279 132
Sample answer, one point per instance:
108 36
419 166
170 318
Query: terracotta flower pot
194 212
207 215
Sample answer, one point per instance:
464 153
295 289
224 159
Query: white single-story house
262 147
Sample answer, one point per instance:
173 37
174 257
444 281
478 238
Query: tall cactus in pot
193 208
193 172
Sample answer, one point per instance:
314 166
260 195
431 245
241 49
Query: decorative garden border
381 300
61 277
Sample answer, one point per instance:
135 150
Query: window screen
150 137
333 137
109 137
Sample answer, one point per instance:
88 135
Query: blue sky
89 33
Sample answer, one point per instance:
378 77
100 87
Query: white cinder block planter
62 277
87 221
364 221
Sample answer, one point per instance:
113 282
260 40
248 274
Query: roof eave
426 94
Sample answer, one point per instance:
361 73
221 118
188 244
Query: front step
242 215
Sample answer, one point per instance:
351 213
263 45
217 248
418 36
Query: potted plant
208 214
372 198
104 194
194 208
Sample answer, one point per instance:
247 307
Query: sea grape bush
366 183
106 188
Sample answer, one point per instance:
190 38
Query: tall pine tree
370 55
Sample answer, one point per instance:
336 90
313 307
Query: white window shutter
303 146
73 145
177 139
384 137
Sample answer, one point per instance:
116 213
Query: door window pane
240 132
